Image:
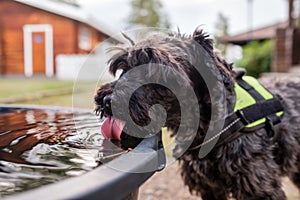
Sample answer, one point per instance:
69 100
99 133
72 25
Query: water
38 147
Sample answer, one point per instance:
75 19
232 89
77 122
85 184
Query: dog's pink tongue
112 128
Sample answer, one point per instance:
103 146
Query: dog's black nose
107 101
106 106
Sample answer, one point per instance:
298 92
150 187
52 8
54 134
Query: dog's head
163 82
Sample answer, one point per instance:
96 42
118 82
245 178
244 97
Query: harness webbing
255 108
259 110
264 97
255 94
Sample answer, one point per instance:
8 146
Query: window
85 38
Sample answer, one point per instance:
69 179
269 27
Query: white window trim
28 29
85 41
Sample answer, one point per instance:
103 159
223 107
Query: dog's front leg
257 178
208 193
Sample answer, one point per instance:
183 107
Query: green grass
78 100
18 87
47 92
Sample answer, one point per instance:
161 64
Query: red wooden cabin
33 32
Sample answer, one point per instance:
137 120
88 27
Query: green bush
257 57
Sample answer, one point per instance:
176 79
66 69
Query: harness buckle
270 127
241 115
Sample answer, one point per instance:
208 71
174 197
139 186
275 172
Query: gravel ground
167 185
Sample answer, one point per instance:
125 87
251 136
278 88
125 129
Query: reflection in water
38 147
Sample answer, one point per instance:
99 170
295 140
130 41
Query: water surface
39 147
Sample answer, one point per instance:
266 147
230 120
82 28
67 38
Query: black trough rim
104 182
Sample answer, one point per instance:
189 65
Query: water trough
119 178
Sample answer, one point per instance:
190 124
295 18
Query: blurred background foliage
257 57
221 29
148 13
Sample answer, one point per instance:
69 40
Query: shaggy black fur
249 167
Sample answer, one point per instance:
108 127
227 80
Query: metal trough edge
104 182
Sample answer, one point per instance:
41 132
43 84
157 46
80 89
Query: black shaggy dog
249 166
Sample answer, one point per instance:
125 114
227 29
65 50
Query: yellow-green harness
245 99
255 108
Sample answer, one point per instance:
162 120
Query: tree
221 30
149 13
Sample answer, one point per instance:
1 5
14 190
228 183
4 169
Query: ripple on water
39 147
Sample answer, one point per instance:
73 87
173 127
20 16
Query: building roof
267 32
71 12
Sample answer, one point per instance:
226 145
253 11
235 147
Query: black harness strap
249 115
231 133
249 89
257 110
235 123
261 109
